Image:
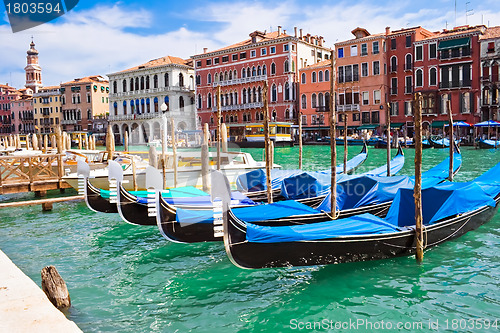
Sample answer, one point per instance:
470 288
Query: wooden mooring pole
345 143
219 121
333 143
452 141
300 141
388 124
417 108
174 149
205 163
267 144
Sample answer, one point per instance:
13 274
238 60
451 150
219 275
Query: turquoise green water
125 278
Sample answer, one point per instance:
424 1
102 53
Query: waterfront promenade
24 306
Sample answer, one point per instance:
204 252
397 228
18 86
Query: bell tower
33 69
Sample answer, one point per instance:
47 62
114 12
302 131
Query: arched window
303 78
313 77
115 87
147 82
198 80
236 97
249 73
274 93
136 83
115 107
142 83
313 101
199 101
394 64
131 84
225 76
221 77
321 101
419 78
259 95
243 72
286 65
259 70
273 68
287 91
244 117
264 70
230 75
254 72
209 78
181 80
155 81
124 85
244 96
304 102
235 74
167 80
274 115
408 62
433 76
327 102
254 94
320 76
181 102
124 107
249 117
327 75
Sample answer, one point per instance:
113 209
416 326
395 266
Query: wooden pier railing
31 173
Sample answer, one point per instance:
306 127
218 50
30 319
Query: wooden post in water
452 141
267 143
205 163
219 116
345 143
53 142
46 142
224 138
333 143
300 141
153 156
55 288
18 137
80 143
125 141
417 111
34 140
109 142
174 149
388 124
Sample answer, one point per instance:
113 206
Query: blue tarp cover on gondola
205 200
256 213
256 180
356 225
438 202
368 190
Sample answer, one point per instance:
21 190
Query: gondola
254 183
366 237
426 144
488 144
96 202
195 226
441 143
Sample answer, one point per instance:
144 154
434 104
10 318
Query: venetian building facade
138 94
8 94
47 109
490 73
82 99
22 115
241 70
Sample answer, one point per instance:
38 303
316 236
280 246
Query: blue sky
108 36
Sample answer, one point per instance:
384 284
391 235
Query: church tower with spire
33 69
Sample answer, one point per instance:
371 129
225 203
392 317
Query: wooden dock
37 173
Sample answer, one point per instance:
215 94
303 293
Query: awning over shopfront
439 123
368 126
453 43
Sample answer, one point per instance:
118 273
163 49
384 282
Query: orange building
361 82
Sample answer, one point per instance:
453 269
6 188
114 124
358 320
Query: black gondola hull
96 202
343 249
132 211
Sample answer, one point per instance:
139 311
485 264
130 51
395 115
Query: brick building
241 70
490 73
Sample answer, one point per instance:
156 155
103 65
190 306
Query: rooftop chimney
284 31
295 29
279 30
300 33
205 49
387 30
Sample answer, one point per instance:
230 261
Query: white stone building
137 95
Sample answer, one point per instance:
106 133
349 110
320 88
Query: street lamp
164 107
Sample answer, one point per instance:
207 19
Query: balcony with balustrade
242 80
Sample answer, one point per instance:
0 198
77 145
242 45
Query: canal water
125 278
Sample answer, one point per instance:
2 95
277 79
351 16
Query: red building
241 70
400 57
447 68
8 95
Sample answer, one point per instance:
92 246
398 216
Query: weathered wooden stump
55 288
40 194
47 206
